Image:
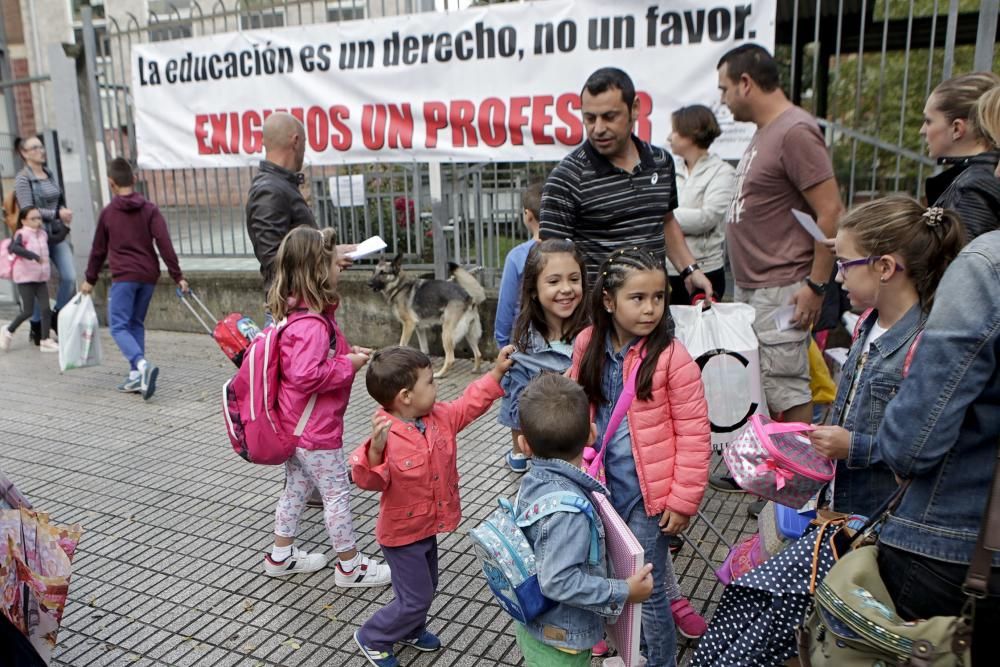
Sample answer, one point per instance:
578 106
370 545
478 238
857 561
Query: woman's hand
832 442
66 216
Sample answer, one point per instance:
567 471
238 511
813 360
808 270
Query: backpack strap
860 322
562 501
909 353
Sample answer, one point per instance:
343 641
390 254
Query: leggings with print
325 470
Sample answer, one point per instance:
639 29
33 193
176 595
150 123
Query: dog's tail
467 282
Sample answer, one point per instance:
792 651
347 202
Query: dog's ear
397 261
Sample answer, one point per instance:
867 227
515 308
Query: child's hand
358 360
380 433
357 349
672 523
640 584
504 362
831 441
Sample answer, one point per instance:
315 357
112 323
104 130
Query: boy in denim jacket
555 427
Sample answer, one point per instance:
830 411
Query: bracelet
689 270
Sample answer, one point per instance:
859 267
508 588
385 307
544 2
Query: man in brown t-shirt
775 262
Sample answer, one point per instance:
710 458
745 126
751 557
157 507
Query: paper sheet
809 224
369 246
783 318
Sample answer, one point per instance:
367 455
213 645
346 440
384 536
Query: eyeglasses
843 265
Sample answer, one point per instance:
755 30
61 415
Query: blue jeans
659 642
127 306
61 257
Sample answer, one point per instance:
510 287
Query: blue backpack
507 558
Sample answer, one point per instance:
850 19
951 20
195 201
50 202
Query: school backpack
507 558
7 259
250 400
10 211
234 334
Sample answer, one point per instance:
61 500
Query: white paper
809 224
838 355
783 318
347 190
369 246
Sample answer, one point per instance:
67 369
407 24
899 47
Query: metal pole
949 40
97 118
986 35
438 219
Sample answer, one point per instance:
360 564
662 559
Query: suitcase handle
202 306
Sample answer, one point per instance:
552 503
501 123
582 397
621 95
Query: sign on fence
347 190
493 83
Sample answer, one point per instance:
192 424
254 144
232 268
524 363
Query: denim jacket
942 429
539 357
586 594
863 480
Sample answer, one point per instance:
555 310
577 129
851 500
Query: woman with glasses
36 185
891 254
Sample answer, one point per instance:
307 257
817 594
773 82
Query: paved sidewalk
176 525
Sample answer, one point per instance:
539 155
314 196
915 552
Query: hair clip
933 216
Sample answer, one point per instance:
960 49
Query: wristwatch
691 268
818 288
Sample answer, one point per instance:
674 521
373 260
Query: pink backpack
774 460
250 401
7 259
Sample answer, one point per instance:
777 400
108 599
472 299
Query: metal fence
864 67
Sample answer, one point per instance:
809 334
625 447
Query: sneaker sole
422 649
687 636
362 584
519 471
150 389
364 651
288 573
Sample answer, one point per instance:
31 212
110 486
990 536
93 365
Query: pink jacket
418 476
28 270
670 433
308 366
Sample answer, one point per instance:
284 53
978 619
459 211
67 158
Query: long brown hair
613 274
532 313
302 272
927 239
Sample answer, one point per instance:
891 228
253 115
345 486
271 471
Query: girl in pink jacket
30 247
317 367
656 463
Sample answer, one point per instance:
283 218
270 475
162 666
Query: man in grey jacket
275 205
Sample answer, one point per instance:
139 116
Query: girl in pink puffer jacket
317 367
30 247
656 463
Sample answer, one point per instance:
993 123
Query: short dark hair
697 123
754 61
607 78
555 417
531 199
393 369
120 172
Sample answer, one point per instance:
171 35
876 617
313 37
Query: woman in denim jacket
941 433
555 423
891 256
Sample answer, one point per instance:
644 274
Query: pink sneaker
689 622
601 649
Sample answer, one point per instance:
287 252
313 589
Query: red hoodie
125 233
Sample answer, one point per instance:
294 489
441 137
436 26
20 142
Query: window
96 6
169 19
262 21
346 10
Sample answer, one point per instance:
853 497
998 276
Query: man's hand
673 523
184 286
503 363
832 442
343 261
380 435
698 282
66 216
640 584
807 306
358 360
86 288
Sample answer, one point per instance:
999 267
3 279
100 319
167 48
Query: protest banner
500 82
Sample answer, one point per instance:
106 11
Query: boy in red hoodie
126 230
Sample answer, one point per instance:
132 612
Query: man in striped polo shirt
616 190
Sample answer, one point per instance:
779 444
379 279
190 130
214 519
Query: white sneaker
299 561
48 345
6 338
366 574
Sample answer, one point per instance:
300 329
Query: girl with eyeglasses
891 254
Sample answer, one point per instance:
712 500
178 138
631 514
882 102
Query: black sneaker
755 508
724 484
675 543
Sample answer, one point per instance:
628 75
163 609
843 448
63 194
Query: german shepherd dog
419 304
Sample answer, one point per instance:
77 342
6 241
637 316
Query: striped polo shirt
601 207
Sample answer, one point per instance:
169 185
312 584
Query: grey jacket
275 206
703 196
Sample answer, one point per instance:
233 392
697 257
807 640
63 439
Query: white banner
500 82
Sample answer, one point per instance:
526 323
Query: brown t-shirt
767 247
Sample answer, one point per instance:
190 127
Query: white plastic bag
722 342
79 342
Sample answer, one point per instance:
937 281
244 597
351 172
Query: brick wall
22 98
